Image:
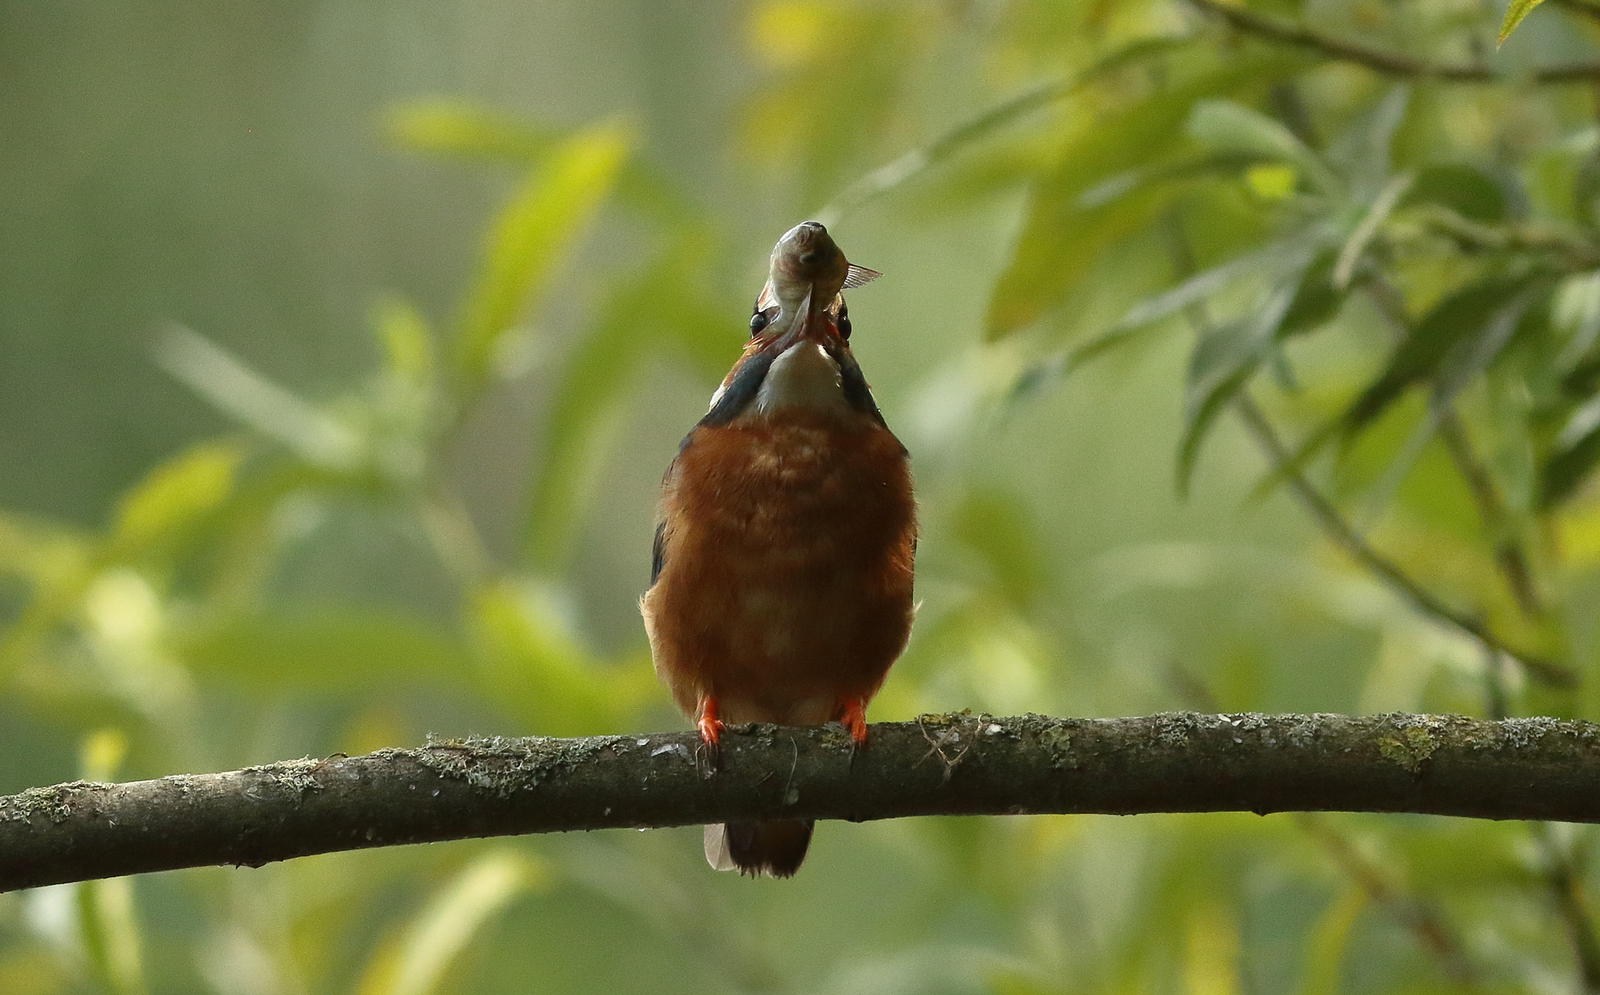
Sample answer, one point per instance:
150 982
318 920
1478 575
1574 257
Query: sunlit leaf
1329 940
414 961
175 494
1515 12
455 128
532 235
408 347
1230 127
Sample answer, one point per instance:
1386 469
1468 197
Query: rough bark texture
938 765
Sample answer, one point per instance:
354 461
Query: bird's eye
760 320
844 324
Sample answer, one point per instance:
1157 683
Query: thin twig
1344 535
1508 551
1576 253
1566 886
1422 918
1389 63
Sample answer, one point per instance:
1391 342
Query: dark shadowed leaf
1577 449
1221 363
1464 189
1476 320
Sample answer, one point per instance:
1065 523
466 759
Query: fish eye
808 258
760 320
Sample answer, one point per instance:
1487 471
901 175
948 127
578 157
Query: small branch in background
1582 8
1508 551
1436 936
1566 885
1344 535
1389 63
1574 253
1433 931
459 789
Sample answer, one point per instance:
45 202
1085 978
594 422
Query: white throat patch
804 376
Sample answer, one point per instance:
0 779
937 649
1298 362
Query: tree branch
1344 534
1389 63
937 765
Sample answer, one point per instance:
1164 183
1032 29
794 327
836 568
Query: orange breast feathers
784 590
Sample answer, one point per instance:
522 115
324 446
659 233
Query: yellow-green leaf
415 959
534 232
1514 15
175 494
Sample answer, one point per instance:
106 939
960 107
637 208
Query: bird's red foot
855 722
710 725
710 735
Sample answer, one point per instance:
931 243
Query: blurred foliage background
1247 356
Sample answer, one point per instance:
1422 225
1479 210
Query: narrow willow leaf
1362 152
232 387
1221 363
415 961
408 348
1196 288
454 128
174 495
1229 126
1515 12
1361 236
533 233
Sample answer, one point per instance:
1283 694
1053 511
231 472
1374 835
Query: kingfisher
780 587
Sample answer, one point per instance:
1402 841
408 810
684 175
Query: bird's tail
773 849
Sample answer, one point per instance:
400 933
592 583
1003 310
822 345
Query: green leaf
407 343
1515 12
1230 127
453 128
1222 361
593 388
174 495
538 670
331 650
1316 299
1090 201
533 233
